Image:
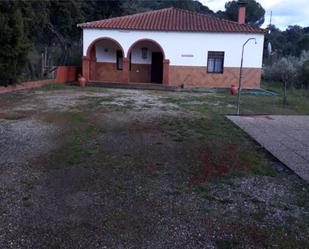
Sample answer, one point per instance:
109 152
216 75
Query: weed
77 117
55 86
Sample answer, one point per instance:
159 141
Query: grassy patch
81 141
56 86
224 103
77 117
224 150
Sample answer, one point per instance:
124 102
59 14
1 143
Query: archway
105 57
147 59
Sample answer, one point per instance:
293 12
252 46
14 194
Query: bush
289 67
305 74
282 70
285 71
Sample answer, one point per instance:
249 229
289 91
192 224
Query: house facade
173 47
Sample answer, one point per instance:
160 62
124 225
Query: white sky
285 12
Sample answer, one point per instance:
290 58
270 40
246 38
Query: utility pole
241 74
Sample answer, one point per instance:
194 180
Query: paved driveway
286 137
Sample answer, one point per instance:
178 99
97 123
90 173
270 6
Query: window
119 60
144 53
215 62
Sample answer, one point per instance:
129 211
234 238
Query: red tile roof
172 19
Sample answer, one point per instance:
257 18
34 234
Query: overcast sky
285 12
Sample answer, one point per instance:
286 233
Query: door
157 67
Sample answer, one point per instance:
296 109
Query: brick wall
66 74
199 77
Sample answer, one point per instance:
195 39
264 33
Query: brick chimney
242 12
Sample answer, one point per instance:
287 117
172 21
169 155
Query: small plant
54 86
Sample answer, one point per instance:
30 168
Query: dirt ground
111 168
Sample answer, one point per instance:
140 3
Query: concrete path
286 137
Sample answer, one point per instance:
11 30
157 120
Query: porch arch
146 40
92 44
104 60
152 67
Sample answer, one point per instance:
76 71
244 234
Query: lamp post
241 74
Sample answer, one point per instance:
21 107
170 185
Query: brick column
166 72
126 70
86 67
93 70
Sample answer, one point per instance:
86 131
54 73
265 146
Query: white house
172 47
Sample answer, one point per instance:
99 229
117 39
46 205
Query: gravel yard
110 168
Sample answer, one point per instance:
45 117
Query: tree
135 6
93 10
14 40
303 43
255 14
293 35
284 70
276 37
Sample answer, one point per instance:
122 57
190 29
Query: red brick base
192 77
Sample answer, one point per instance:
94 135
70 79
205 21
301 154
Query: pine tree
14 39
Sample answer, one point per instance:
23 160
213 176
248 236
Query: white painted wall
137 52
196 45
106 51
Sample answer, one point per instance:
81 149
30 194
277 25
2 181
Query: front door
157 67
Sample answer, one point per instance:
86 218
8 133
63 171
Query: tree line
37 31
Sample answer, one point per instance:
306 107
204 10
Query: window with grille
144 53
215 62
119 60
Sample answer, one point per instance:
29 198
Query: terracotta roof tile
172 19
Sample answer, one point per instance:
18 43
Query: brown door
157 67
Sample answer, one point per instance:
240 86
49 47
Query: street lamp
241 74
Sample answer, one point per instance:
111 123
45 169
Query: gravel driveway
121 169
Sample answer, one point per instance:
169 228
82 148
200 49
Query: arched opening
106 60
146 62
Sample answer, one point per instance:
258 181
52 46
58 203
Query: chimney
242 12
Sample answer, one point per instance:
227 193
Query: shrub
305 73
283 70
294 66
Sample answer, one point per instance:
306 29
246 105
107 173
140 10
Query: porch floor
142 86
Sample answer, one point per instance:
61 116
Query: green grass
224 103
77 117
56 86
80 142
